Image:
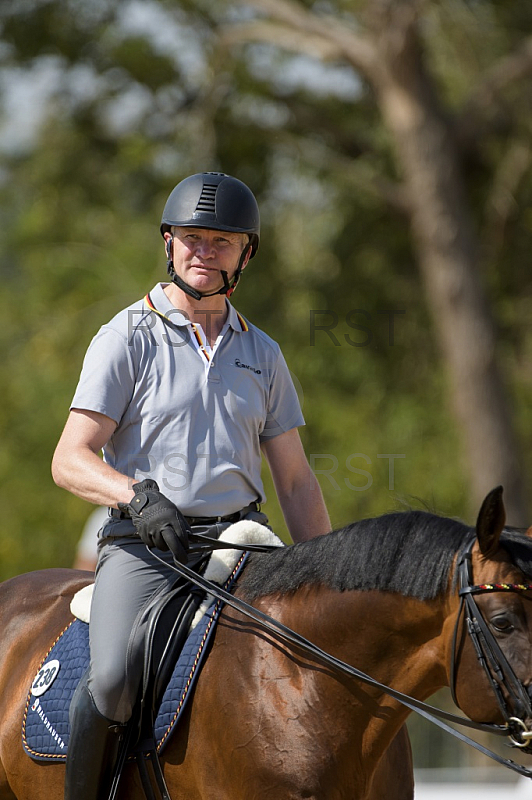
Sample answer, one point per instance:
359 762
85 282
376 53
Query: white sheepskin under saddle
219 568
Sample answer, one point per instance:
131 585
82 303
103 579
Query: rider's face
201 254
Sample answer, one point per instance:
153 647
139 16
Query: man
182 395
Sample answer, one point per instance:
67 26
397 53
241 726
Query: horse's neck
397 640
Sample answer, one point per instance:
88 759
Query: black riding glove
158 521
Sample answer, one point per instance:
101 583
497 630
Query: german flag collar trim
243 323
235 319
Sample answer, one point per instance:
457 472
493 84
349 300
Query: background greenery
106 105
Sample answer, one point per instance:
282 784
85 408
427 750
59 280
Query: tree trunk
447 250
446 243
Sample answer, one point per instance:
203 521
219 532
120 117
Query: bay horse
267 720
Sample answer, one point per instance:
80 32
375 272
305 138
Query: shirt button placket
213 375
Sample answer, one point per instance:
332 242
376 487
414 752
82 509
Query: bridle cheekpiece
513 697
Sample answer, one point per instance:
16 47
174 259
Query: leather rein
500 672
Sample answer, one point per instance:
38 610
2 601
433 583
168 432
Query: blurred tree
139 94
385 141
384 42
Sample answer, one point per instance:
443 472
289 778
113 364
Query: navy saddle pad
45 727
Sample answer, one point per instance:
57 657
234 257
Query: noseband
513 697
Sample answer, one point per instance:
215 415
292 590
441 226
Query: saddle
181 623
169 627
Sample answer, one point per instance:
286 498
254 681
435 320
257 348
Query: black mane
408 552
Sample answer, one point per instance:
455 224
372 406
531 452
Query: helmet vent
207 201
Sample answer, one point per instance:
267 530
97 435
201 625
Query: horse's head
493 648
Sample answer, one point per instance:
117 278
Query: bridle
504 680
513 697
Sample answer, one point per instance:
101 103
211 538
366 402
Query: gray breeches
127 578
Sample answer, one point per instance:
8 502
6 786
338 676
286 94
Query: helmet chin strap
227 289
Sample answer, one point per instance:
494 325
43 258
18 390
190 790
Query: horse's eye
502 623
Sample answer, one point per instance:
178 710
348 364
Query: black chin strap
227 289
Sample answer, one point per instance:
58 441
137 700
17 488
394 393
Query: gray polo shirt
188 417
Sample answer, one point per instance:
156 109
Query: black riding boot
93 749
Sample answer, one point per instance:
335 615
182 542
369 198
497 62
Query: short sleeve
284 410
107 377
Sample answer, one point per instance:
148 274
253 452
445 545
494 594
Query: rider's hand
157 519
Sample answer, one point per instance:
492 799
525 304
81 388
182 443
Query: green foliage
144 94
335 280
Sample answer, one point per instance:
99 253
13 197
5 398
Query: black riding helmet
216 201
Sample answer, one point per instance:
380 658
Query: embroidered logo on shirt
238 363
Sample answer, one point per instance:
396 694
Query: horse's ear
490 522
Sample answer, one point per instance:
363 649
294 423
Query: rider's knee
112 693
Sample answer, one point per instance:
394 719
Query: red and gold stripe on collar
149 303
200 342
243 323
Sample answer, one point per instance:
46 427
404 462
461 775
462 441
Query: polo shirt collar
236 320
158 300
165 308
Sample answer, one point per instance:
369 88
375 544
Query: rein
204 543
432 714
